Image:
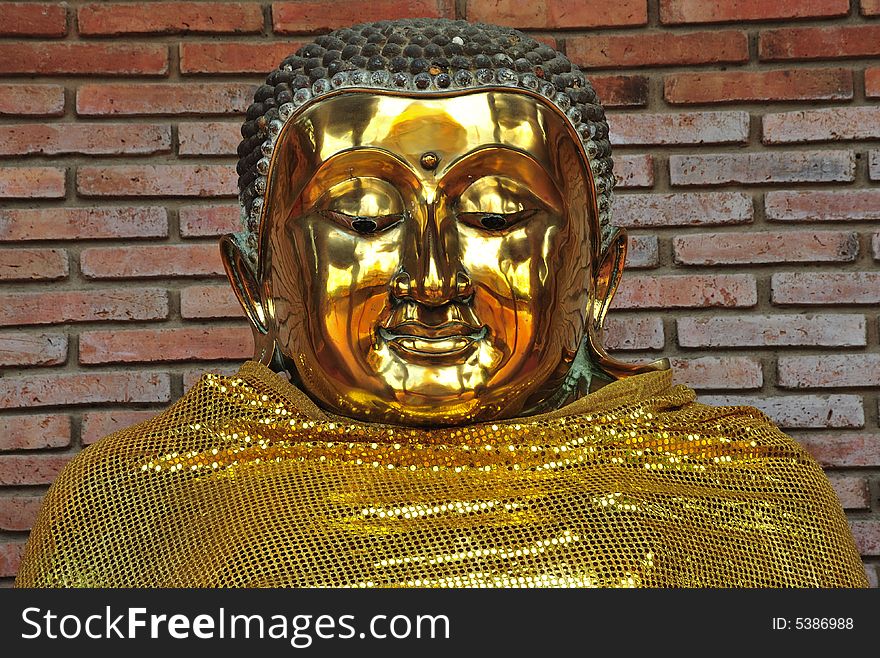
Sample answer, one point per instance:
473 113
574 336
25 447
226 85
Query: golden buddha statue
427 259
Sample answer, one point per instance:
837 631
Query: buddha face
427 261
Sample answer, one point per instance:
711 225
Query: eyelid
382 222
474 219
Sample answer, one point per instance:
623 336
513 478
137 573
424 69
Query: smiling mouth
415 339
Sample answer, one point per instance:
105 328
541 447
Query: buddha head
426 225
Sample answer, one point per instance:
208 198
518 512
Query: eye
363 225
495 222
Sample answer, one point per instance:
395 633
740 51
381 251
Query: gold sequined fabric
245 483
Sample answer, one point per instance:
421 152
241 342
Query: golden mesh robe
244 482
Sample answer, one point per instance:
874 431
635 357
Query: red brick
801 411
10 557
31 100
685 128
866 532
750 86
111 19
763 167
822 205
208 221
558 14
642 252
682 209
159 345
843 449
712 372
688 291
39 390
828 371
621 90
18 470
677 12
95 305
825 288
164 98
209 302
633 333
83 223
98 424
157 180
234 57
34 432
871 7
832 124
62 138
18 513
208 138
634 170
34 19
852 490
657 49
874 165
840 330
872 82
74 58
31 183
820 42
302 16
26 349
765 247
151 261
191 377
33 264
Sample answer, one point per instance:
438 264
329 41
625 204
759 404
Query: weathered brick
208 138
828 371
34 432
750 86
634 171
208 221
763 167
151 261
10 557
819 42
677 12
26 349
621 90
31 100
98 424
825 288
866 532
31 183
838 330
33 19
33 264
684 128
657 49
822 205
234 57
801 411
872 82
301 16
95 305
870 7
113 19
874 165
76 58
17 513
712 372
164 98
158 345
875 245
209 302
18 470
843 449
63 138
642 252
83 223
40 390
682 209
191 377
852 490
832 124
765 247
686 291
157 180
558 14
633 333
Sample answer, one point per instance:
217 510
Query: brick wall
747 150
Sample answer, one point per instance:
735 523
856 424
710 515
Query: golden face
428 260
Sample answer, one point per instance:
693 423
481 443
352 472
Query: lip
451 339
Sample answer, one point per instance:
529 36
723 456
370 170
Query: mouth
449 340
